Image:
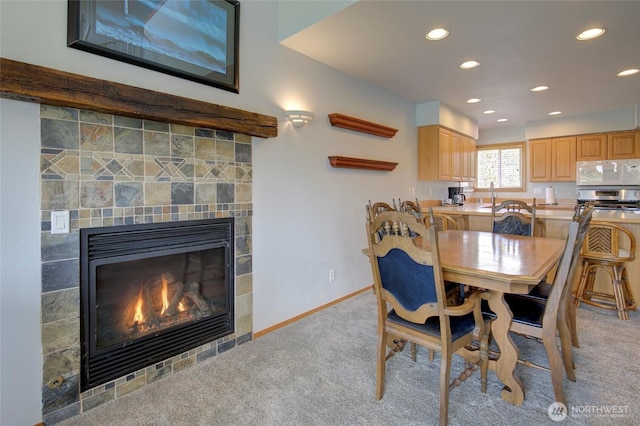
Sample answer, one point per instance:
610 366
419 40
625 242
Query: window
502 164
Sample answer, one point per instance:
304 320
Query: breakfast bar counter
543 212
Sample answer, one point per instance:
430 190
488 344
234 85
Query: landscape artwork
192 39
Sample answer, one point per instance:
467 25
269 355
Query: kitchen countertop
555 213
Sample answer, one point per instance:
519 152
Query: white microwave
608 172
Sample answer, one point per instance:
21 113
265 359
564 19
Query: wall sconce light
299 118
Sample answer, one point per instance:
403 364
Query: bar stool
607 246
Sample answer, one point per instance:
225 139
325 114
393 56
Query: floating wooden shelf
360 163
358 125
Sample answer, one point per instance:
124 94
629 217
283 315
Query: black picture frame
192 39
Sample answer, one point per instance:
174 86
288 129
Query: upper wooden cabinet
608 146
591 147
563 159
469 159
456 156
445 155
552 160
434 153
623 145
540 160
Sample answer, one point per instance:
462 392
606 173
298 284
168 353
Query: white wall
20 348
435 112
295 16
601 121
308 217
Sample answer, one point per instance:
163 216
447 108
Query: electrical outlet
332 275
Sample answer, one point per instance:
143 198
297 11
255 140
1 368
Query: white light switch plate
60 222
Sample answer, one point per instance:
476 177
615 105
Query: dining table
500 264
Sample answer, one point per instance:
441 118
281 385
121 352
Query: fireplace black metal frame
118 243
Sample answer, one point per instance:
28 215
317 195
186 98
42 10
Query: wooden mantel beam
33 83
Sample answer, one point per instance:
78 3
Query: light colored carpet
321 371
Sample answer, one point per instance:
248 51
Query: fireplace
110 171
149 292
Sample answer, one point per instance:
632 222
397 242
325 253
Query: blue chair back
411 283
406 266
512 219
514 225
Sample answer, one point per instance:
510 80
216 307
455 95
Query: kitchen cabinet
591 147
623 145
552 160
608 146
563 159
445 155
468 159
540 160
456 155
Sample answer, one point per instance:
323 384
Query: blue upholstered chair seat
525 311
540 293
460 326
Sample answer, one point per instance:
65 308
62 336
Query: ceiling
519 44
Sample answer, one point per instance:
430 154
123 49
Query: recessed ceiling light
437 34
469 64
630 71
555 113
591 33
540 88
473 100
489 111
502 120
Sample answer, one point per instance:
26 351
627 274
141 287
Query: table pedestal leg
506 365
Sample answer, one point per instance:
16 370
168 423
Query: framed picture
192 39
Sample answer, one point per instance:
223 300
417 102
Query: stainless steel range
622 198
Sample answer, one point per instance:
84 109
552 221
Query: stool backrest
609 241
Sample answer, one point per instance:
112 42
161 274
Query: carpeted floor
321 371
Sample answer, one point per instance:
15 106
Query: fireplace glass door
149 292
137 298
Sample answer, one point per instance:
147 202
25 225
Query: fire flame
165 298
138 318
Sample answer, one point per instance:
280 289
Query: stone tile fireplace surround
114 170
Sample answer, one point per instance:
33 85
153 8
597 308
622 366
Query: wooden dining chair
546 319
411 299
412 207
380 206
442 222
541 291
509 217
